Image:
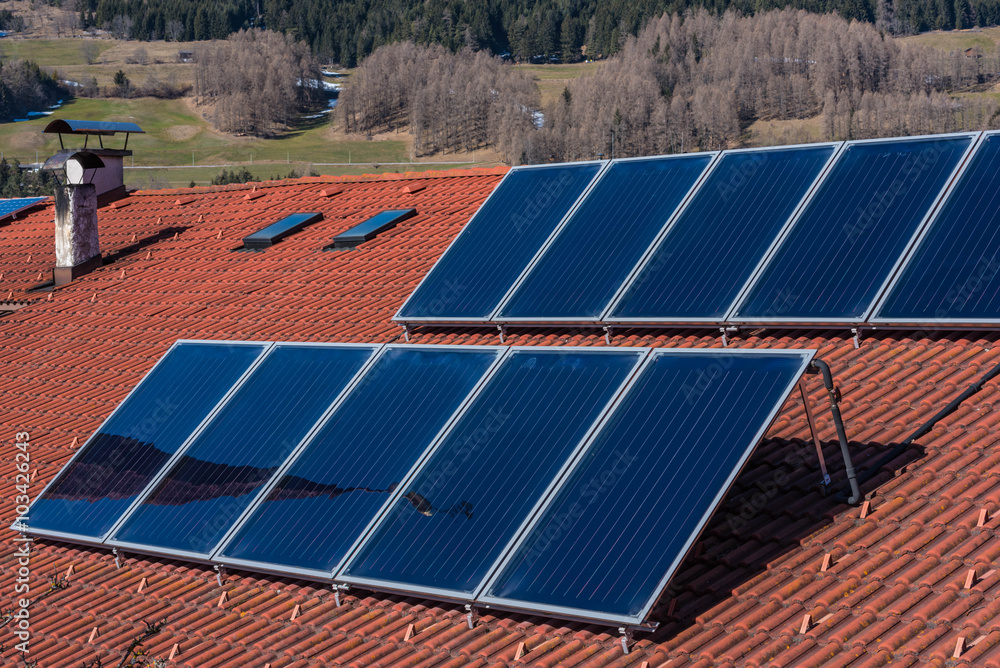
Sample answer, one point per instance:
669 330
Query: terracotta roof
896 584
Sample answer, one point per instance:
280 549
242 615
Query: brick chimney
78 248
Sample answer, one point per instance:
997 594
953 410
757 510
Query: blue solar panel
715 244
619 525
17 204
466 502
605 237
117 463
275 232
219 474
345 475
474 274
844 247
954 273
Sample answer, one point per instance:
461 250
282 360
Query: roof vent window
275 232
371 228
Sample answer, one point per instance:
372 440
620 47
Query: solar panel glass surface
117 463
219 474
347 472
623 519
838 255
466 502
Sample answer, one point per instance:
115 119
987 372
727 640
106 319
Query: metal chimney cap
74 165
106 128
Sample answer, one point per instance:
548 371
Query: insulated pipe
838 420
872 470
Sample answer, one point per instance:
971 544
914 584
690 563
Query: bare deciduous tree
257 80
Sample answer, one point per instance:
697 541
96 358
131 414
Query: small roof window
371 228
275 232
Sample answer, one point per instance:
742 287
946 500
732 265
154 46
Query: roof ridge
310 180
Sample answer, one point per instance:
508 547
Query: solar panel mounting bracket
608 333
220 572
856 332
337 588
119 556
406 332
503 332
471 615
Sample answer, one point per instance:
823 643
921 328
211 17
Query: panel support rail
833 393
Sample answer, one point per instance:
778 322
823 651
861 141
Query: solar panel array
797 235
14 205
438 470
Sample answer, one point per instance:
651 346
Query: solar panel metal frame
89 540
495 316
732 319
579 614
206 557
437 593
397 318
607 318
878 322
327 576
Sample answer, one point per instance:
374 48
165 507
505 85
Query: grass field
552 79
955 40
177 135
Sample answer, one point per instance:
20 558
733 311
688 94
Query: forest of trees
346 31
685 83
450 102
24 87
256 80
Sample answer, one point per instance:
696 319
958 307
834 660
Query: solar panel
115 465
620 523
953 275
452 520
851 235
703 261
380 222
275 232
9 207
599 244
201 496
482 263
345 475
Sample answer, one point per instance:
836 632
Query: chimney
78 248
89 178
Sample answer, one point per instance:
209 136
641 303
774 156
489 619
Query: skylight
275 232
380 222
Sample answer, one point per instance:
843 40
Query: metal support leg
406 333
118 557
607 334
838 421
815 437
220 572
857 337
470 615
725 337
503 332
